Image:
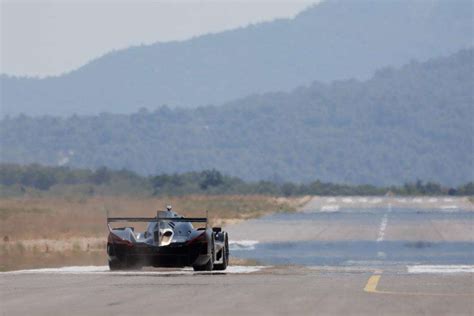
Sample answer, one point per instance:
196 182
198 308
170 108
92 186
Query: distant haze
334 40
50 37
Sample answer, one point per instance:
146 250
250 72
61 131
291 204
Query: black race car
170 240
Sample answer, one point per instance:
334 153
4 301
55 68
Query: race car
169 240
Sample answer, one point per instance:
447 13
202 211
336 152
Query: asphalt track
383 284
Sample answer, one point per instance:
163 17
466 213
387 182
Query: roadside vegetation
37 180
54 231
53 216
62 218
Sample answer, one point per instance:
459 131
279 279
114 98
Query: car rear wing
157 219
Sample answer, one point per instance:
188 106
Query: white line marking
383 224
375 201
242 244
441 269
449 207
368 264
104 270
341 268
330 208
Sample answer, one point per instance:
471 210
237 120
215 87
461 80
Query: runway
383 237
384 260
270 291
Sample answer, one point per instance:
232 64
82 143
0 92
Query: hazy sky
47 37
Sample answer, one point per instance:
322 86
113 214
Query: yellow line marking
371 287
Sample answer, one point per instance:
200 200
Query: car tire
225 254
115 264
209 266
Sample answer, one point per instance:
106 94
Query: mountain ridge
414 122
330 41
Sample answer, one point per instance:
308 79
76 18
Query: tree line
23 178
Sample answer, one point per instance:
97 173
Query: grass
6 212
63 218
46 231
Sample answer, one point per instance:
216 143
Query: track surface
387 287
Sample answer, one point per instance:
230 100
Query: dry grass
56 218
17 259
40 232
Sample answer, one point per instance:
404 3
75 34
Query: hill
400 125
336 39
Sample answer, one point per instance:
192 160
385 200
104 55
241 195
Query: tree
101 176
210 178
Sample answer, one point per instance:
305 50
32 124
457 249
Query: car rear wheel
225 255
209 266
115 264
